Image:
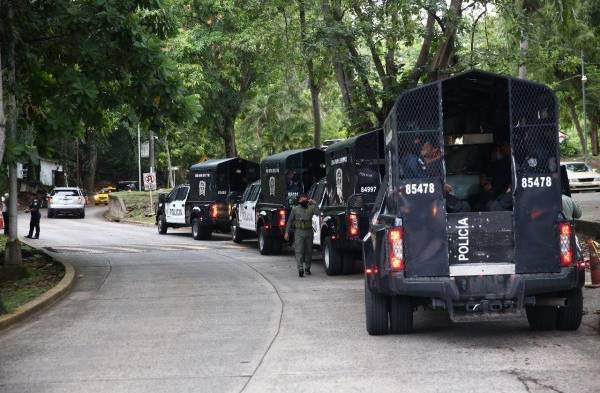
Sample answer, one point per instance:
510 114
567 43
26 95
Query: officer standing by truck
34 223
300 221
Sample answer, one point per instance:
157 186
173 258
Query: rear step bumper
492 296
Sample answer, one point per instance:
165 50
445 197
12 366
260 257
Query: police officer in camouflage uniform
300 221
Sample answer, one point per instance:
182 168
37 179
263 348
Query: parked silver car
66 201
582 177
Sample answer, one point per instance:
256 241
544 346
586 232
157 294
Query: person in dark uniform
5 212
34 223
300 221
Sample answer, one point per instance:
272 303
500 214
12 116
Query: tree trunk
444 56
313 85
171 174
92 162
594 122
2 116
359 119
523 48
13 246
229 137
575 119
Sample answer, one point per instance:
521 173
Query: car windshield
65 193
578 167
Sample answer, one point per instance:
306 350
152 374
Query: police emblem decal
272 185
339 183
202 188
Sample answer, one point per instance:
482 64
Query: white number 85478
420 188
536 182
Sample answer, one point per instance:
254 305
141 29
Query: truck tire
376 311
401 315
196 228
541 317
265 242
82 214
276 245
204 232
349 263
332 258
236 231
162 224
569 317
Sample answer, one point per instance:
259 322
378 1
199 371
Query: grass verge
138 205
40 274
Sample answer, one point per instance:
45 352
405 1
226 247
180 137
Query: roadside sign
145 150
149 181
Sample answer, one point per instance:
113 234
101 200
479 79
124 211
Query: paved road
157 313
590 204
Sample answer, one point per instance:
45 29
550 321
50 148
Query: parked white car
66 201
582 177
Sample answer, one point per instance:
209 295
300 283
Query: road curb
110 218
48 298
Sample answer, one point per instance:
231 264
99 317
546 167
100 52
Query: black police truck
205 202
469 217
265 205
354 170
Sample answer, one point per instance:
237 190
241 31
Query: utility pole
583 80
139 159
151 148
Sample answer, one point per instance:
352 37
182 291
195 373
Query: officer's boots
301 273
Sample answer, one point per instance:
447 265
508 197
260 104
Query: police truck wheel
376 312
204 232
276 246
236 231
541 317
401 315
569 317
265 242
332 258
162 225
82 214
196 229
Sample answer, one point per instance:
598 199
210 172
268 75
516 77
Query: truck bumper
507 294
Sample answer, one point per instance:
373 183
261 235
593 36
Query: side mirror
356 201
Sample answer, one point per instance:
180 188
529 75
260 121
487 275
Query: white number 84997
536 182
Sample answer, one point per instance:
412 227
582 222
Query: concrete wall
116 208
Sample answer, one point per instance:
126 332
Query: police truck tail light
566 249
396 248
214 211
281 218
353 230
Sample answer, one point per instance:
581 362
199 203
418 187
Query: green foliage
223 77
569 148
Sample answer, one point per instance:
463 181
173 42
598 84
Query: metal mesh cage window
419 109
420 143
534 129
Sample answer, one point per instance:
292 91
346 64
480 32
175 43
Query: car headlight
574 180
